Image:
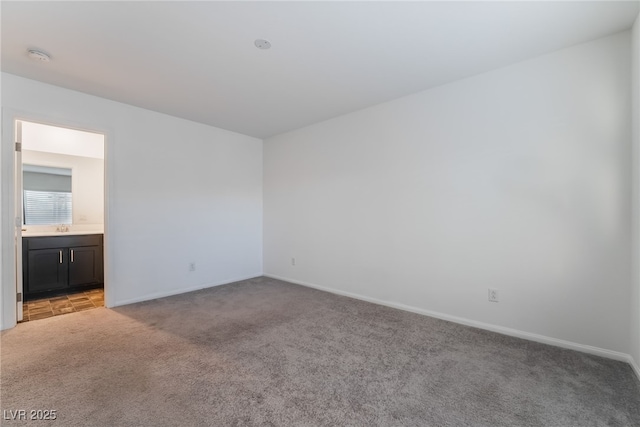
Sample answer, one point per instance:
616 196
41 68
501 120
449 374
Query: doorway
60 201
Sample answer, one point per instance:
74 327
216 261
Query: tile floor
62 304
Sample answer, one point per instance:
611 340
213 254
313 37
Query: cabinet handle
71 255
60 256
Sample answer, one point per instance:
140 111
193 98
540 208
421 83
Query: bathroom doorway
60 204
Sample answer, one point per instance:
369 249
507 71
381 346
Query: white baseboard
157 295
481 325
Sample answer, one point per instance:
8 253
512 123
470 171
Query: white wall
177 191
87 183
635 290
517 179
53 139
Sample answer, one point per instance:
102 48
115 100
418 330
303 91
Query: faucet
62 228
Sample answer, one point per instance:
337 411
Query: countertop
60 233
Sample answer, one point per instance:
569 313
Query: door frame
18 218
8 203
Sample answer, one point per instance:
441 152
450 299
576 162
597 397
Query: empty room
375 213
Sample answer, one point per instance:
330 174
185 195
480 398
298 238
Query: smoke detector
37 55
262 44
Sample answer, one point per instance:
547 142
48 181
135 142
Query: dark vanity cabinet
56 263
45 270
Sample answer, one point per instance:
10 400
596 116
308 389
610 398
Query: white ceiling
197 60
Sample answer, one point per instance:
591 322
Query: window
46 195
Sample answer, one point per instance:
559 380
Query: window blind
46 195
47 207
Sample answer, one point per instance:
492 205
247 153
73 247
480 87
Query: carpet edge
157 295
597 351
634 366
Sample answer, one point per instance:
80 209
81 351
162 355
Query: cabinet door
85 265
48 270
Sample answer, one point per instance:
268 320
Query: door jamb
8 307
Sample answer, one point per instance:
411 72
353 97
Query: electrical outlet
192 266
493 295
293 261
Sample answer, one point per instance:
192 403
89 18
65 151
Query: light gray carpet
264 352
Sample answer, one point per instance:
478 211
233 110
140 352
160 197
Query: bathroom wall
87 183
